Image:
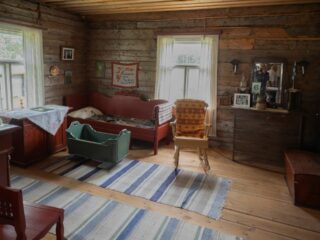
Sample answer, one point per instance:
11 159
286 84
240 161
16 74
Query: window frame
212 41
34 88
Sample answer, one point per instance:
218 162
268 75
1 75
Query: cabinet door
58 142
35 142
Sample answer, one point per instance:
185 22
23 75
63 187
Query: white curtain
206 87
208 78
34 67
165 65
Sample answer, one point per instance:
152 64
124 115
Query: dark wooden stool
303 177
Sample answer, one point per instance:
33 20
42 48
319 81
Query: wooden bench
303 177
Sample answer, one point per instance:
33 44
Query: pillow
86 112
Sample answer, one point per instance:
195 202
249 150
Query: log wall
59 29
290 32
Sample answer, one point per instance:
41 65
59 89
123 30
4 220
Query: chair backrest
190 117
12 211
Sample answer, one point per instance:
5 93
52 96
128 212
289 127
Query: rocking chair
190 129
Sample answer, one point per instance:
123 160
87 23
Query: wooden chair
26 221
190 130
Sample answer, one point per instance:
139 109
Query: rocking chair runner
190 129
28 221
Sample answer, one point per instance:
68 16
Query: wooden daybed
122 112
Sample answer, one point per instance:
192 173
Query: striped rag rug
189 190
91 217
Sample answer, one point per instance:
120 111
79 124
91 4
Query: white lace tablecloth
48 117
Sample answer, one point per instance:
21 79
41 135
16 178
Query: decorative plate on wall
54 70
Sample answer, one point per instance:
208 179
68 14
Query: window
187 68
21 68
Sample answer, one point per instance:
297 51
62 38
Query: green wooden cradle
84 141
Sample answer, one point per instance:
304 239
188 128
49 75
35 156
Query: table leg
60 228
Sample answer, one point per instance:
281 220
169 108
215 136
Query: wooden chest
303 177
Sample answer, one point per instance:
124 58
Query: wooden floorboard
258 204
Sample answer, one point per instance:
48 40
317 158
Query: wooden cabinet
5 151
58 142
261 137
32 143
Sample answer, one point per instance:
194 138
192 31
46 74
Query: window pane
177 84
18 86
187 53
11 46
193 83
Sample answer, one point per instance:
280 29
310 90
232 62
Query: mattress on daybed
132 122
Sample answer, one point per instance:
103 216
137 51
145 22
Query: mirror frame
284 82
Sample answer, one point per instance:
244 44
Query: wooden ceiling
94 7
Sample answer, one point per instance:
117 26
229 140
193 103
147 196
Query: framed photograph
241 100
256 87
67 77
125 75
67 54
100 69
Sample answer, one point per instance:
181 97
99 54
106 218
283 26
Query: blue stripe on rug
76 204
160 191
89 174
145 175
52 195
219 200
14 179
119 174
207 234
93 222
170 229
197 183
73 167
31 187
131 225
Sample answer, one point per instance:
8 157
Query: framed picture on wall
241 100
67 77
100 69
67 54
125 75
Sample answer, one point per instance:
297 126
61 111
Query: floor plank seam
273 220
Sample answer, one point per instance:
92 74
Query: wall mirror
267 80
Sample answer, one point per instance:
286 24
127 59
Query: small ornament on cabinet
243 88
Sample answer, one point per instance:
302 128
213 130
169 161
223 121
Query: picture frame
68 77
241 100
100 69
67 53
256 88
125 75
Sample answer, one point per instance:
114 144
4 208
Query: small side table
303 177
6 148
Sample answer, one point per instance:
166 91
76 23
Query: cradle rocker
109 149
